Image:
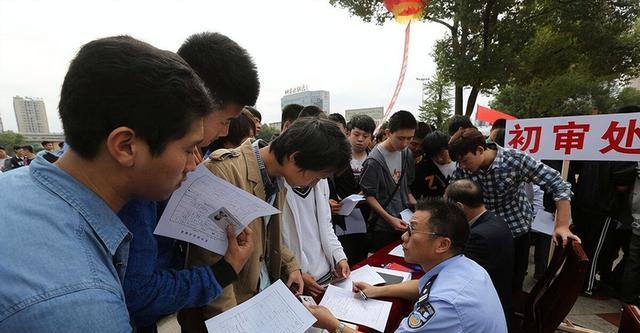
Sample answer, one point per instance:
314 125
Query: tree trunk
471 102
458 100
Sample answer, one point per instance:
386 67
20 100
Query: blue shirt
63 254
462 299
154 284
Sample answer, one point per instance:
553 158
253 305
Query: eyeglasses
410 231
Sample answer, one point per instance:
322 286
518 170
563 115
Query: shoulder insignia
421 316
223 154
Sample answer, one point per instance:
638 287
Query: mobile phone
307 300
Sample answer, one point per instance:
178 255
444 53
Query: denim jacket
63 255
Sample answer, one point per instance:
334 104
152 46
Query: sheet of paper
349 203
199 211
354 223
544 222
391 276
275 309
406 215
397 251
349 306
364 273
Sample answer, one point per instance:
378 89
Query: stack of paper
349 306
397 251
364 274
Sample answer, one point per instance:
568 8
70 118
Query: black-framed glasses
410 230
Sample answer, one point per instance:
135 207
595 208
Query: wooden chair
546 306
630 321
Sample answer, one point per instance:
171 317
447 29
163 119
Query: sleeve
289 262
369 177
324 221
545 177
411 168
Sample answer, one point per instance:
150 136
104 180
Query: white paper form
397 251
364 274
274 309
349 306
544 222
406 215
201 208
349 203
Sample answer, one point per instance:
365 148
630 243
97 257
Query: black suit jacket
490 244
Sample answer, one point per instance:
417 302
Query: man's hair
447 220
225 67
380 133
499 136
457 122
254 112
120 81
362 122
319 143
434 143
402 120
422 130
311 111
338 118
464 141
2 148
466 192
44 143
28 148
499 123
17 147
290 113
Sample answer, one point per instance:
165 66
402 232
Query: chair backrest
630 321
556 292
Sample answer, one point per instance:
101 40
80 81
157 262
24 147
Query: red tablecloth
400 307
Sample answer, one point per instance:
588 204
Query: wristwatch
340 328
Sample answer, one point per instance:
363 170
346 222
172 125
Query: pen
362 294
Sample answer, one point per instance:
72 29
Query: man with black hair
434 170
17 160
339 119
3 157
308 150
311 111
289 114
257 118
490 242
344 183
502 172
72 282
29 156
457 122
156 283
415 145
386 175
454 295
47 148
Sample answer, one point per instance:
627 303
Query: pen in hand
362 294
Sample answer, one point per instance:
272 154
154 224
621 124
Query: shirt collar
271 186
438 268
106 224
497 161
473 220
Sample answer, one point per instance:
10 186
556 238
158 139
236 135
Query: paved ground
596 313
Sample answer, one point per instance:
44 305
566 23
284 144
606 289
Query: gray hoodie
376 181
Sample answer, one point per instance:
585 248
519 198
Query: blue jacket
154 284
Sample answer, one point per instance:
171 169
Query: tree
9 139
628 96
501 44
436 107
267 132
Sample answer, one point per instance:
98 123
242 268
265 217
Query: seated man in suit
490 242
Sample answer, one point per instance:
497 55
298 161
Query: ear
479 150
444 245
292 158
460 205
387 132
123 146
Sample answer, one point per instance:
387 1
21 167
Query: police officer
454 295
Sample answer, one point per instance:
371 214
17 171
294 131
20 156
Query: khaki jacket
239 166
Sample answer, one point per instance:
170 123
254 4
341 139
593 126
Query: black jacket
429 181
490 244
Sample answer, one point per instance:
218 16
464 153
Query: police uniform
456 296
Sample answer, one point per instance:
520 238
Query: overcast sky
293 42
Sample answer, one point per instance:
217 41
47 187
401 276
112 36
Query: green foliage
8 139
267 132
436 107
628 96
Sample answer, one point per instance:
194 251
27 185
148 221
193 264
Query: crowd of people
86 258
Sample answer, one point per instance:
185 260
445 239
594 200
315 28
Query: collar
438 268
106 224
473 220
271 185
497 161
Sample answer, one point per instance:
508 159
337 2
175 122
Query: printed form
349 306
275 309
199 211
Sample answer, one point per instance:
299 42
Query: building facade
31 115
319 98
377 113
